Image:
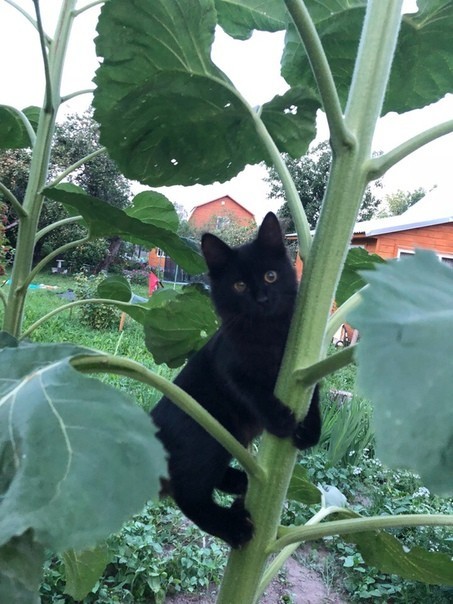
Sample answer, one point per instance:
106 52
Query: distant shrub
96 316
87 254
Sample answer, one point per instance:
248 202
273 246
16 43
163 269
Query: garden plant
77 456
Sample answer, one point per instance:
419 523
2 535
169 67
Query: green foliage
227 229
422 35
154 554
181 326
15 128
165 71
346 430
39 406
351 281
76 137
96 316
410 318
400 201
148 221
310 174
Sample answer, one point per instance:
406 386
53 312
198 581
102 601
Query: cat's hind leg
234 482
193 480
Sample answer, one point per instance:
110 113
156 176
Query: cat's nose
262 298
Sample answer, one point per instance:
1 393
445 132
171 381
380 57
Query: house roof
435 208
205 203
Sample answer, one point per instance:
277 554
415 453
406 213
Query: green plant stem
132 369
45 59
358 525
291 194
339 317
339 135
33 199
12 199
72 95
55 225
3 299
283 556
314 373
347 182
45 261
68 306
76 165
378 166
88 6
28 17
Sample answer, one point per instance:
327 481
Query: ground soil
299 584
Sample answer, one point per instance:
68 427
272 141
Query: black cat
233 376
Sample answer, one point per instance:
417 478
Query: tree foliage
400 201
310 174
230 230
76 137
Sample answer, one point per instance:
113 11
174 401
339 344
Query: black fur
233 376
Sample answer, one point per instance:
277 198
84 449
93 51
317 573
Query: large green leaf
423 58
181 326
239 19
302 489
143 224
358 259
168 115
291 120
387 553
13 133
83 569
404 364
21 562
154 208
77 456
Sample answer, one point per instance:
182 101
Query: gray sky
21 80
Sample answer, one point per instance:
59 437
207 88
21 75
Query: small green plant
96 316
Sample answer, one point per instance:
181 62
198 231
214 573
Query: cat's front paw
308 431
283 424
240 529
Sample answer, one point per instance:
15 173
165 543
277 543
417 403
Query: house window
446 259
405 253
222 222
160 253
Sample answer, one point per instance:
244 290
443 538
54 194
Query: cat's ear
270 233
215 251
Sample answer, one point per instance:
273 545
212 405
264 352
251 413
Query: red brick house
219 213
427 224
214 214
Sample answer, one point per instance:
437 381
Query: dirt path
299 584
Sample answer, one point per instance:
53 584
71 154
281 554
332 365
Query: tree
14 171
231 231
310 174
400 201
76 137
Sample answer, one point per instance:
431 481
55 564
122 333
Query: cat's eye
240 286
270 276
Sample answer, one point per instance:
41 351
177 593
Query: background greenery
159 552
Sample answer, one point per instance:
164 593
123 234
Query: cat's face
254 280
